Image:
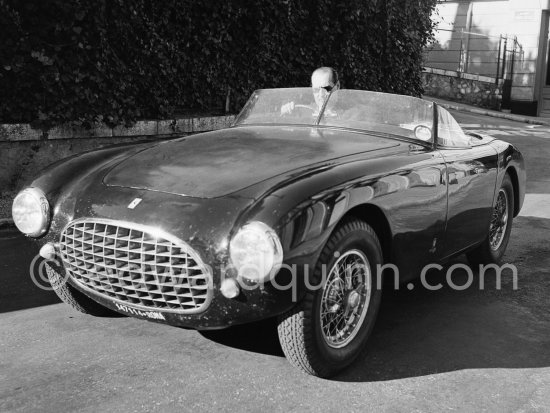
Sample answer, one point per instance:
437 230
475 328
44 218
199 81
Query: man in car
324 80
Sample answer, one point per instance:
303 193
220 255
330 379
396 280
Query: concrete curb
486 112
6 223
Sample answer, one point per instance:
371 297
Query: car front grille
135 265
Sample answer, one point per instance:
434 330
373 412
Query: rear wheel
75 298
492 249
328 330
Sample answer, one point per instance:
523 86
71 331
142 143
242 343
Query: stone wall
474 90
25 151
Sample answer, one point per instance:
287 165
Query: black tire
488 252
77 300
301 330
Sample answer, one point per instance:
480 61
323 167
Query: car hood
222 162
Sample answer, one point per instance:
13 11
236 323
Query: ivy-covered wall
115 61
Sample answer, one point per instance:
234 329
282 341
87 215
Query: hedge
115 61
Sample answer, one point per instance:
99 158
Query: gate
509 52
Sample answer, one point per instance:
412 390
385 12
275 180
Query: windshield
289 106
379 112
449 132
356 109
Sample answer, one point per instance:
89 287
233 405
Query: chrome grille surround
135 265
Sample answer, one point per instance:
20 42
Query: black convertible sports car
286 213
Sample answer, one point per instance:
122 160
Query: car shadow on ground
421 331
259 337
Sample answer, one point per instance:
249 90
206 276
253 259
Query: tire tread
69 295
294 328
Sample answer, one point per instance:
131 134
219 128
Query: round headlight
31 212
256 252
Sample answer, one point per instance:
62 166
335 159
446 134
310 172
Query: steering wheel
296 105
299 105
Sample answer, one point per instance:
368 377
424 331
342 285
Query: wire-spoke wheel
329 328
499 221
345 298
492 249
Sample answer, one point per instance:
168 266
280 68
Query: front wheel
492 249
70 295
328 330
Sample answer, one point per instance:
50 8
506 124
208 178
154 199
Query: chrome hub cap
353 299
345 298
499 221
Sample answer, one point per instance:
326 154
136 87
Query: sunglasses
328 88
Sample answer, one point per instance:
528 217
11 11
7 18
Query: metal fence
481 54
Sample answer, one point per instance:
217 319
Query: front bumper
256 302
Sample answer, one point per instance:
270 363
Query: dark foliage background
118 60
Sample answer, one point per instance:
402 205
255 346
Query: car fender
510 160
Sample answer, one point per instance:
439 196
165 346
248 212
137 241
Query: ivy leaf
148 59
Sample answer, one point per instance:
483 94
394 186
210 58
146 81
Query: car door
471 180
414 198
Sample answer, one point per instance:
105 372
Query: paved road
473 350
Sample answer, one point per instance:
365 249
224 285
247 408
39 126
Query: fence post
504 57
513 60
461 56
498 58
507 82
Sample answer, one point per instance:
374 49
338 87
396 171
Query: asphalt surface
473 350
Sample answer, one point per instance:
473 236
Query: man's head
323 81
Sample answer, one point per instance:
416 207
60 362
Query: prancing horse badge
134 203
